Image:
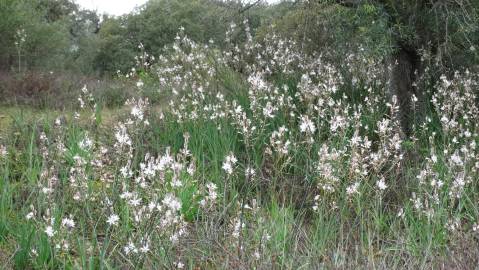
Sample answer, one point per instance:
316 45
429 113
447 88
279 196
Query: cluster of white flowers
86 143
3 151
353 189
122 137
279 141
20 37
138 110
68 223
327 167
229 163
306 125
210 198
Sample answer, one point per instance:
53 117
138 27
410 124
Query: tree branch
249 6
349 3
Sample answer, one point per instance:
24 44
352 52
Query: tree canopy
60 34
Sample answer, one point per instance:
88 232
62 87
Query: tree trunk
403 84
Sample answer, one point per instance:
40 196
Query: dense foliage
58 34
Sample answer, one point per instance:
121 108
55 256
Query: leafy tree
115 51
54 10
12 16
41 42
157 22
46 28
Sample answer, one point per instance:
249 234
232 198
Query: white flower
455 158
145 248
126 195
180 265
135 202
58 121
46 190
316 203
137 112
176 182
3 151
122 137
229 162
337 122
49 231
381 184
30 216
172 202
68 222
250 172
113 219
352 189
140 84
227 167
414 98
82 103
231 158
268 110
130 248
86 143
126 172
211 195
238 225
307 125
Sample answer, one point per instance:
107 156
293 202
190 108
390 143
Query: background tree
405 33
437 28
46 26
115 48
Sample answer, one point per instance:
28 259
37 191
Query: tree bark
406 66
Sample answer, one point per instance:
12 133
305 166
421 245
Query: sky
116 7
112 7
